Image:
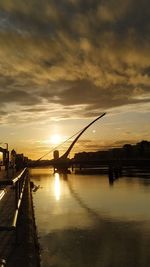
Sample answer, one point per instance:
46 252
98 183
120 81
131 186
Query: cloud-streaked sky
63 62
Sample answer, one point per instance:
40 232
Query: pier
18 246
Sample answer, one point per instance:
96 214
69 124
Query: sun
55 139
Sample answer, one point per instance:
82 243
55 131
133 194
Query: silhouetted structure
13 159
4 157
56 154
21 161
63 163
138 154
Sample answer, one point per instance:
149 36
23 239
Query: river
86 221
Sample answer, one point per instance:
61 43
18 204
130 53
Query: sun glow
56 139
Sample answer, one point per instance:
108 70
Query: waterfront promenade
18 246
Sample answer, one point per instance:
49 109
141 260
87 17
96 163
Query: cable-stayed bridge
63 163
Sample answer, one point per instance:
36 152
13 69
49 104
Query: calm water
82 220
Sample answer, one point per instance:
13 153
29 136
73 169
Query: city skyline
63 63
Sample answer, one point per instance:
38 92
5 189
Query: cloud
67 53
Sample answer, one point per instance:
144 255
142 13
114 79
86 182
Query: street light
5 144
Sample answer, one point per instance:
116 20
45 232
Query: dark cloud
2 112
74 53
85 92
19 97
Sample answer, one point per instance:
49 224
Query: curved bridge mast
65 155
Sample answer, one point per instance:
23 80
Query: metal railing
2 193
19 184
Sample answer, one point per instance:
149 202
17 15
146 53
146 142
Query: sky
63 63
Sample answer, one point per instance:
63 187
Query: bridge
112 160
63 163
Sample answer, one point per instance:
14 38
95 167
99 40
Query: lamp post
5 144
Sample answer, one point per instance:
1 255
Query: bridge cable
59 145
69 138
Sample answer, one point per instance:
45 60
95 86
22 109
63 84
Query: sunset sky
63 63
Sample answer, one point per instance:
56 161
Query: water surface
83 220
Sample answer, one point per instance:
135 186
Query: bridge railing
18 184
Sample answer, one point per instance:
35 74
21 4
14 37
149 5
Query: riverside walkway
18 244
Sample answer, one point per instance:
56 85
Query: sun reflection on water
57 186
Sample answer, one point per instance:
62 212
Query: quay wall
23 251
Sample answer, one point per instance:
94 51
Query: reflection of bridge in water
63 163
